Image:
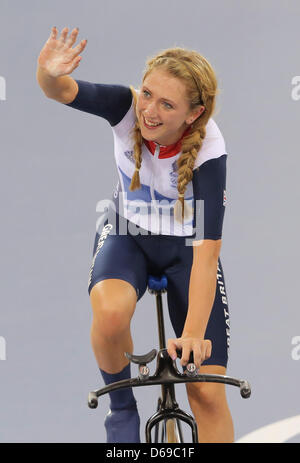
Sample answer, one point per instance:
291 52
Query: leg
113 302
117 279
207 400
209 406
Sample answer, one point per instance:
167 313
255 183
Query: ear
195 114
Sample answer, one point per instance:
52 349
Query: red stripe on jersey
169 150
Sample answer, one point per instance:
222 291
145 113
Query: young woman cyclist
167 147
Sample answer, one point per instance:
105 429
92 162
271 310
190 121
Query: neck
186 131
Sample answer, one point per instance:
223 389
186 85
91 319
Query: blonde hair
201 89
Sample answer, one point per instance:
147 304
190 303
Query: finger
186 350
198 355
53 34
63 34
75 63
72 38
171 348
78 49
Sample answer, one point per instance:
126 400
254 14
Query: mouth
151 125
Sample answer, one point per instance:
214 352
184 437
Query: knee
111 314
207 396
110 319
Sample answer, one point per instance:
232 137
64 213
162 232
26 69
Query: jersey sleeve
108 101
209 187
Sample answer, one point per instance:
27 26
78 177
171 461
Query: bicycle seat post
160 317
157 286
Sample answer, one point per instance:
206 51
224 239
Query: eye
167 105
146 93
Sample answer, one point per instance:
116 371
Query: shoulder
128 121
110 101
213 145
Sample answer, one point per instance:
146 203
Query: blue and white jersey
152 206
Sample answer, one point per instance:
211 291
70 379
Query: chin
147 137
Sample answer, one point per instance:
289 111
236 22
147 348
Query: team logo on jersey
173 175
129 155
224 198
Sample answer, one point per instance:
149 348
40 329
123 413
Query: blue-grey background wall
57 163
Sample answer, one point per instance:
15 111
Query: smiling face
163 110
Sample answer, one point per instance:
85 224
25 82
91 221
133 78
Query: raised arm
57 59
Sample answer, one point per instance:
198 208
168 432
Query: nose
150 110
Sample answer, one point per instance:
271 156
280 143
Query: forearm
62 88
202 291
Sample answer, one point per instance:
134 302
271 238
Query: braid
138 140
190 146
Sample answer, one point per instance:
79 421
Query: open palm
57 57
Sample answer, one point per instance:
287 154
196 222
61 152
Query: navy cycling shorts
133 257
